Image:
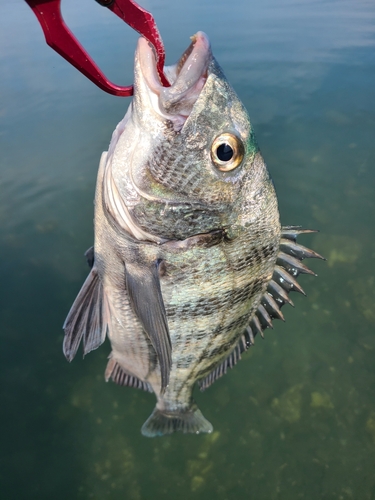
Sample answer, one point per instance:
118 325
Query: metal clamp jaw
61 39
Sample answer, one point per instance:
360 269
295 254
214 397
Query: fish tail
187 421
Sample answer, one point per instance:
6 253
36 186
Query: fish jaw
162 165
155 115
171 104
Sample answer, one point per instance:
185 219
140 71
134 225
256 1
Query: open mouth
187 78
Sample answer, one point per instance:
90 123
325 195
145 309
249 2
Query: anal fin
121 377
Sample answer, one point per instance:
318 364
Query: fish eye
227 152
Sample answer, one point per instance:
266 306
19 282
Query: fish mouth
187 79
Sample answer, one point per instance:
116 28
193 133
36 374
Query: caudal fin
189 421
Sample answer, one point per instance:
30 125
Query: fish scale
231 293
190 262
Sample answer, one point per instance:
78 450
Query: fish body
189 261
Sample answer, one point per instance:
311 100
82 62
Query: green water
296 417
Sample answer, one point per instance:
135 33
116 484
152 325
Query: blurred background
295 419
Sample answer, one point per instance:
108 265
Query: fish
190 261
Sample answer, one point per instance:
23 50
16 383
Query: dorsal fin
121 377
283 281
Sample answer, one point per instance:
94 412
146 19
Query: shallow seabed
296 417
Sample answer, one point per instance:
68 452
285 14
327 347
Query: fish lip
187 78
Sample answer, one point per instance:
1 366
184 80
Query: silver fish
190 262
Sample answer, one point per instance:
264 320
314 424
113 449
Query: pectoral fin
143 285
87 319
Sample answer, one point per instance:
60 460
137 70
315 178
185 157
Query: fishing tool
61 39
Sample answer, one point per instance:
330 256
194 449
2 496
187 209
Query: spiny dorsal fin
283 281
87 319
121 377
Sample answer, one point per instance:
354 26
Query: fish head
185 158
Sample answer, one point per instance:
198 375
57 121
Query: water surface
296 417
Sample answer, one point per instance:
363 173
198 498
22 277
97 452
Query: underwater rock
321 400
288 406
